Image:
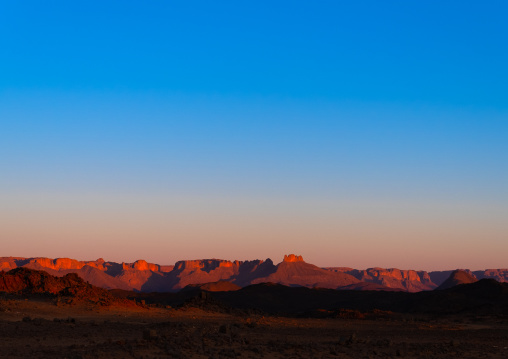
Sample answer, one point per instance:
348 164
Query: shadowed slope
213 270
457 277
369 286
486 296
293 271
90 274
220 286
398 279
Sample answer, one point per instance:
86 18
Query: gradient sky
356 134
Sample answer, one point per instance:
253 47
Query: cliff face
206 265
292 271
212 270
141 265
8 263
501 275
405 280
58 264
292 258
409 280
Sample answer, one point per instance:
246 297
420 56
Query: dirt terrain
41 327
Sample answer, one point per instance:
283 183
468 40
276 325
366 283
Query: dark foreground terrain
42 316
39 328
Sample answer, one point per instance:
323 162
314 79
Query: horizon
275 262
358 135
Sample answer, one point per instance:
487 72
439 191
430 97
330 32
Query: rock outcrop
294 271
500 275
212 270
393 278
141 265
292 258
26 281
143 276
456 278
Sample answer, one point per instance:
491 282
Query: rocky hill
70 287
293 271
404 280
143 276
500 275
456 278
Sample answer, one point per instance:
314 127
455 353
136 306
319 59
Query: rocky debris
150 334
195 334
205 301
225 329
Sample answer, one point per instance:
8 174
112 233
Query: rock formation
292 258
405 280
27 282
293 271
458 277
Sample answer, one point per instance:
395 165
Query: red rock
293 270
458 277
292 258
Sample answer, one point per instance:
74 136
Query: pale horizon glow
166 229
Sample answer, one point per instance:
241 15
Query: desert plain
45 326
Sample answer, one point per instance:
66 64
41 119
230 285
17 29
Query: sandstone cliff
405 280
293 271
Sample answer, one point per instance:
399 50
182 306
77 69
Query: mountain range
293 271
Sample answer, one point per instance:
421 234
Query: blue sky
433 52
295 126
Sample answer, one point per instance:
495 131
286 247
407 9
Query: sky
356 134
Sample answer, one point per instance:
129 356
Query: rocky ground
46 328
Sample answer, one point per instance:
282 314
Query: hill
457 277
294 271
28 282
142 276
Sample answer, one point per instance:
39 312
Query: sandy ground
41 329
